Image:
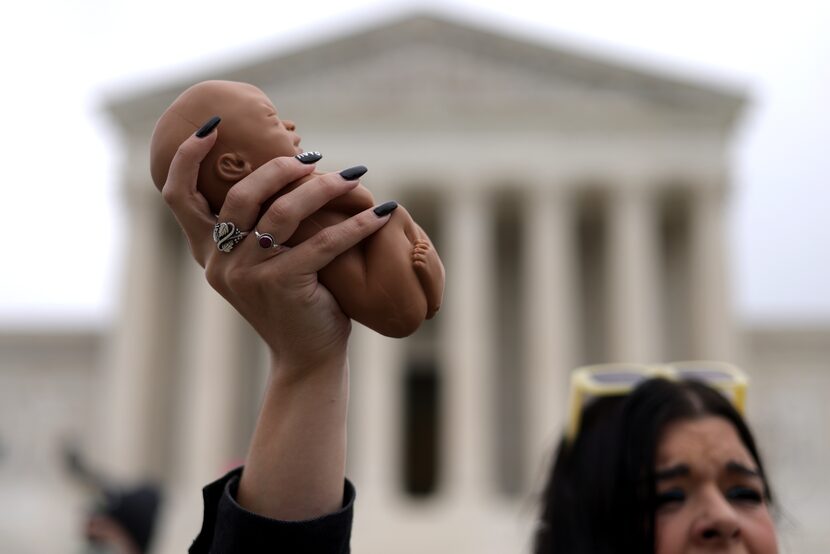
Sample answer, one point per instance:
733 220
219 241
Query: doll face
710 497
252 125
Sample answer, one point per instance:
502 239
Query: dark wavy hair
600 496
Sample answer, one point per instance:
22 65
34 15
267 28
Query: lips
297 140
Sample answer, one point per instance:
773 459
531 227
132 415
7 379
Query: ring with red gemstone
266 240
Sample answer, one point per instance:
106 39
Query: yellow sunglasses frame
583 384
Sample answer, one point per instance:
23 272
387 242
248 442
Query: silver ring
226 236
266 240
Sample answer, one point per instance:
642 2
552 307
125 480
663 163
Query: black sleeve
229 528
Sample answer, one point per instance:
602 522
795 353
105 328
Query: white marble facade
578 206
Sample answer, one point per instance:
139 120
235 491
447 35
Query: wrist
295 368
299 402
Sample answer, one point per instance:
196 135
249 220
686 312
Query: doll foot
430 272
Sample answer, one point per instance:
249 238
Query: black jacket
228 528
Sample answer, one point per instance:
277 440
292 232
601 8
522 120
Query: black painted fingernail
309 157
353 173
208 127
386 208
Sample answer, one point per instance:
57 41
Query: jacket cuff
228 527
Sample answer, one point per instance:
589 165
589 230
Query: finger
244 200
180 193
318 251
284 216
182 176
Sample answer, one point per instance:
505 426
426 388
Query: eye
744 494
670 497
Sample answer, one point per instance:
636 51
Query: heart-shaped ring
226 236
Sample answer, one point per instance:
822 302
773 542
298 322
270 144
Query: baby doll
390 282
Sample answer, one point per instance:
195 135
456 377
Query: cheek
759 533
670 533
283 136
274 147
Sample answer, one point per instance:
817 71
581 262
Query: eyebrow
683 470
740 469
680 470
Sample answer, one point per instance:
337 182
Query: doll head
252 133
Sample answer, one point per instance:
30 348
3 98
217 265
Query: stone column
138 354
551 325
375 427
712 325
467 346
212 368
633 274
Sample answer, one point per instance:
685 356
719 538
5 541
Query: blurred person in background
670 468
122 519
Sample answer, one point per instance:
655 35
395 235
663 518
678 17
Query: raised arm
296 461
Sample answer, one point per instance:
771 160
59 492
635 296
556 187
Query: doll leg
374 283
390 282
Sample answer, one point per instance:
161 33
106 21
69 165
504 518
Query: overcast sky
64 229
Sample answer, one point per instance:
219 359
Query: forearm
295 467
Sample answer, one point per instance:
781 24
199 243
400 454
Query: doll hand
274 289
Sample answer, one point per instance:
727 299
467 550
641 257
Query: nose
289 124
718 523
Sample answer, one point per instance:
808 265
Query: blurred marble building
578 205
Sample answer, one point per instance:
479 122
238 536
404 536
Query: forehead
246 97
706 444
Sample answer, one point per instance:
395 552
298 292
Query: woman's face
710 497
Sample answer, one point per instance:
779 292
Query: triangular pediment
430 72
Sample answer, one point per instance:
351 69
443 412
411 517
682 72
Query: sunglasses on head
620 379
